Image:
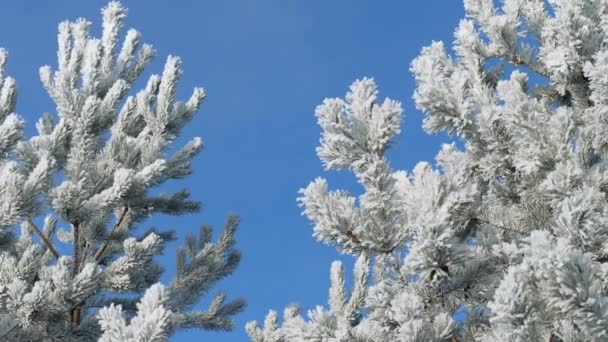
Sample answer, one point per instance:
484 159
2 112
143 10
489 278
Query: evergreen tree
86 273
512 228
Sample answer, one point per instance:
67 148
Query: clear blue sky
265 65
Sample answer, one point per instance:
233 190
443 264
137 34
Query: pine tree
80 270
509 230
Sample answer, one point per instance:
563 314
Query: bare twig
120 220
44 238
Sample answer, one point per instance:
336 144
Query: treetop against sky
425 240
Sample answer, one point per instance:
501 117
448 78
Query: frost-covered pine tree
511 228
81 270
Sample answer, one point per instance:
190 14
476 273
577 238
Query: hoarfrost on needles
89 171
511 230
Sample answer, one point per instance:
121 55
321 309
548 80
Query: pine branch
44 239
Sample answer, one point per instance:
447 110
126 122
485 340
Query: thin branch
602 259
395 263
75 312
76 243
509 229
9 330
516 61
354 239
85 251
388 252
103 248
124 307
44 238
75 315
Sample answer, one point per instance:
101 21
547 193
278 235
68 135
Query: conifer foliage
80 270
510 230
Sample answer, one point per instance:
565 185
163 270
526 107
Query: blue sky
265 65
